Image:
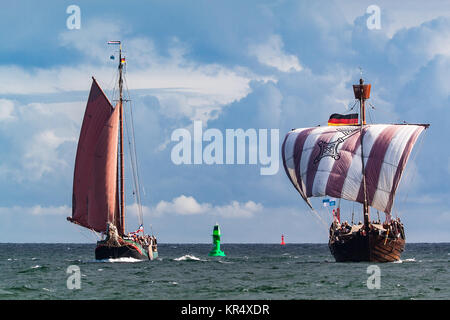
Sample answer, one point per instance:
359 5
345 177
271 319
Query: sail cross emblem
330 149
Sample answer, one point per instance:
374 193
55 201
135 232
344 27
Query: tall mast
121 173
362 92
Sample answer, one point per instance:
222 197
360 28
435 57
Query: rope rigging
130 136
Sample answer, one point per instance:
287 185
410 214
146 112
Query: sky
248 65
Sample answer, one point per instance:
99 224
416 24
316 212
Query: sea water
249 271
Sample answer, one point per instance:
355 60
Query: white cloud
38 133
92 38
18 80
191 90
183 87
396 15
184 205
38 210
71 110
42 157
271 53
6 110
238 210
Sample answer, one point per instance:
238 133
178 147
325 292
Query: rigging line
370 116
133 137
116 81
389 114
81 231
353 213
323 212
111 82
408 173
134 161
319 217
134 140
138 191
354 104
133 170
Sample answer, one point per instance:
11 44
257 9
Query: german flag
343 119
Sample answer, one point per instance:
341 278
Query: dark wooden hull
103 252
371 248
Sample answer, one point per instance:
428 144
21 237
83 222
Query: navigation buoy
282 240
216 252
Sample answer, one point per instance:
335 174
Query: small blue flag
328 202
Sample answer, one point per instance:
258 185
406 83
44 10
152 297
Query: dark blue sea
248 272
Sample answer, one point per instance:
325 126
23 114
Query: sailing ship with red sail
359 162
98 199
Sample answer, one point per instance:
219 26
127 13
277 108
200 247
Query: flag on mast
328 202
343 119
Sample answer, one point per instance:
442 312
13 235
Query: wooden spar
121 179
362 92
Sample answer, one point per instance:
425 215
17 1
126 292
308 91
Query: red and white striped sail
326 161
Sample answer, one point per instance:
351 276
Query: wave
188 257
33 269
4 292
406 260
124 259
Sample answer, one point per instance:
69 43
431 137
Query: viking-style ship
358 162
98 199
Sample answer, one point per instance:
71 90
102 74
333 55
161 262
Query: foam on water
406 260
127 259
188 257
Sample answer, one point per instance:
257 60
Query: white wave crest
188 257
125 259
406 260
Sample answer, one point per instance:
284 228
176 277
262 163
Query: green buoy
216 252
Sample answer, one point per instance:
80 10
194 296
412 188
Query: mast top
121 59
361 90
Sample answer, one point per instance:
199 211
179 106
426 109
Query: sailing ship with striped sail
98 199
359 162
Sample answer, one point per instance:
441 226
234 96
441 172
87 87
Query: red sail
102 197
89 197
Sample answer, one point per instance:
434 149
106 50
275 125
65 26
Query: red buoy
282 240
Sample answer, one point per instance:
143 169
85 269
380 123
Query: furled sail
326 161
95 200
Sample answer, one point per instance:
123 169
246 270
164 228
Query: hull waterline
369 248
104 252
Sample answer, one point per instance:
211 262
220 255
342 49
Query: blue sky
231 64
